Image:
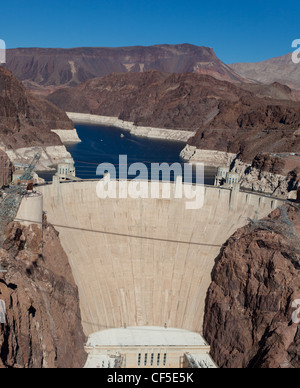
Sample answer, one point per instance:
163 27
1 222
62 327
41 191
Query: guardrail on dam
145 262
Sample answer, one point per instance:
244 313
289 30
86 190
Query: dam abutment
31 209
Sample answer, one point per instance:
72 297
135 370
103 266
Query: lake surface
104 145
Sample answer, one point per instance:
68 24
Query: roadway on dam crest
145 262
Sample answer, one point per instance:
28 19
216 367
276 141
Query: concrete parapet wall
145 262
31 210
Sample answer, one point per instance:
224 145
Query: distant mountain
27 120
274 90
46 69
227 117
280 69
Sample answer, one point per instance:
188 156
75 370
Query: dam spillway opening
145 262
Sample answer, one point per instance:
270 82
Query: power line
123 234
125 164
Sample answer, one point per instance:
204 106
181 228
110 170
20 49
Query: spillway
145 262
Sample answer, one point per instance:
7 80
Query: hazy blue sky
238 30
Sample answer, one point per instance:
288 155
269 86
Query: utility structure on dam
142 262
11 201
20 204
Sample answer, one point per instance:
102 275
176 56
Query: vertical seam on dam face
144 262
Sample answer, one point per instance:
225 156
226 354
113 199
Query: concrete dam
145 262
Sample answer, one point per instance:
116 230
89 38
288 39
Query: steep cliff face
6 169
251 126
26 120
44 69
249 306
43 323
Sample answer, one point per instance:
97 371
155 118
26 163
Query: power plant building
147 347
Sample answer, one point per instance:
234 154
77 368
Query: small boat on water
122 136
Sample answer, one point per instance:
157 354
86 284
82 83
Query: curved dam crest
145 262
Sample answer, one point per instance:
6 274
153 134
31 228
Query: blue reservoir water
105 144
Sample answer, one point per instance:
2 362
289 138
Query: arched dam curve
145 262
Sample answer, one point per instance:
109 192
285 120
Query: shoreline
213 158
50 156
190 154
150 132
67 136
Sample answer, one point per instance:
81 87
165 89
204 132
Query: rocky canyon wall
43 322
249 306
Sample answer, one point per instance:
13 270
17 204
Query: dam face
145 262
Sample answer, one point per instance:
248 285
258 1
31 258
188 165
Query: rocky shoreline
211 158
251 178
151 132
67 136
50 156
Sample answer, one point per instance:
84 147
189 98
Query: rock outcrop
250 306
43 322
6 169
275 175
27 120
251 126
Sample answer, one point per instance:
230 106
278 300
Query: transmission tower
12 198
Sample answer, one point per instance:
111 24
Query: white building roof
96 361
145 336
